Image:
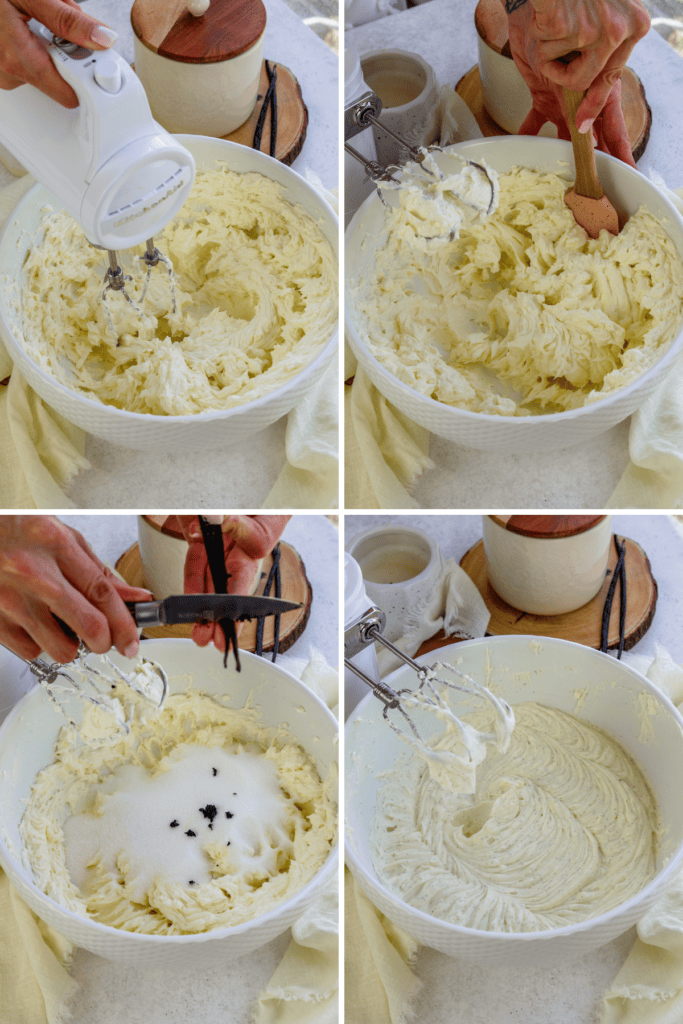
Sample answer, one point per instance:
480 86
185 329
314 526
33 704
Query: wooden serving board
295 587
637 113
292 117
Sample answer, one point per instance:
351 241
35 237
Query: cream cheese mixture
199 817
521 312
256 294
560 828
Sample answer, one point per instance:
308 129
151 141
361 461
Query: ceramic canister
201 74
162 552
547 565
401 566
406 85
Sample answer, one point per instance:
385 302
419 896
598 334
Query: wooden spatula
591 208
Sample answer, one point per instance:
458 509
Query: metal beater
366 630
94 685
363 113
117 172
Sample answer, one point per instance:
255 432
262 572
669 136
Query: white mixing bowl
165 433
27 742
550 672
628 190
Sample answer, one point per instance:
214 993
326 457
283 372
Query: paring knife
187 608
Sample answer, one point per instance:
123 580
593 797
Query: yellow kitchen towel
40 453
310 478
34 982
379 986
385 452
305 986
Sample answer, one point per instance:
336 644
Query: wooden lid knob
547 526
228 28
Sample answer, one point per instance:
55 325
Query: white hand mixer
117 172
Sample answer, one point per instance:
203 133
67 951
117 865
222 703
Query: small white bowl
27 743
165 433
618 700
628 190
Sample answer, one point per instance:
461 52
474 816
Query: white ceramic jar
547 565
356 603
407 87
400 566
201 74
162 552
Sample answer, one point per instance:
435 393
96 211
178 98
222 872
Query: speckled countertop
457 992
241 477
583 476
138 995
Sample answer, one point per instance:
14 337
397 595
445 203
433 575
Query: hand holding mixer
113 167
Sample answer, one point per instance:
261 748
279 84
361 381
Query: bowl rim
19 353
327 867
668 356
660 881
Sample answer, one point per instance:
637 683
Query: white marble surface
454 991
121 478
583 476
117 992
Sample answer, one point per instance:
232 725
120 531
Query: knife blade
181 609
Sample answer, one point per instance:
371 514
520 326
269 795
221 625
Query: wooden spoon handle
587 181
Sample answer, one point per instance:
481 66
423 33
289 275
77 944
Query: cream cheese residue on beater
560 828
256 297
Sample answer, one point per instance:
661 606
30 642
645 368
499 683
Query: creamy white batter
198 818
560 828
522 313
256 292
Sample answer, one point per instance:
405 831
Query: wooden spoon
591 208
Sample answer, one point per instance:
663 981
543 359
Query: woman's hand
23 56
598 36
47 570
246 539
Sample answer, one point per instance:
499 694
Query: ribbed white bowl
165 433
549 673
27 740
628 190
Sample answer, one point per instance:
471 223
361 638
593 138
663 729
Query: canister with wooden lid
200 71
547 565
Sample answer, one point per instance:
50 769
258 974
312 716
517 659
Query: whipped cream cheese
522 313
256 301
560 828
199 817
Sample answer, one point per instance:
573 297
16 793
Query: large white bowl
550 672
165 433
27 741
628 190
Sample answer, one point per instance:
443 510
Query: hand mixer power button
108 74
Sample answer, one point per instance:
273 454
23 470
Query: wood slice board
583 625
292 117
637 113
295 587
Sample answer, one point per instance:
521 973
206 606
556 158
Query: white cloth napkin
455 605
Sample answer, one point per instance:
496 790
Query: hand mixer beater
117 172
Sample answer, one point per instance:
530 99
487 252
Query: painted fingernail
132 649
103 36
586 126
